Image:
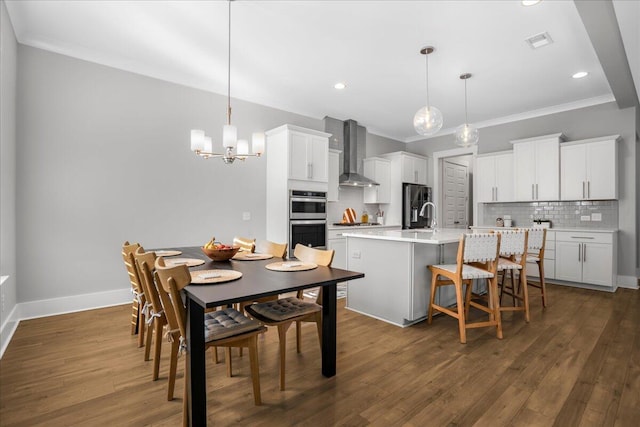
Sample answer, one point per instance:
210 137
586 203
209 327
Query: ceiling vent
539 40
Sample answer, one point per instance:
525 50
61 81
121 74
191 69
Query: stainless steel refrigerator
413 197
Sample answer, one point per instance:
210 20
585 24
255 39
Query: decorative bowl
220 254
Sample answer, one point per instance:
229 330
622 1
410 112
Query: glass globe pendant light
428 119
466 135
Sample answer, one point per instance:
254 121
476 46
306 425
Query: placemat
248 256
291 266
168 253
204 277
189 262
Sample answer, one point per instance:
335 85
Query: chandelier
466 135
202 145
428 119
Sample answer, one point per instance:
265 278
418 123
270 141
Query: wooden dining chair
139 299
222 328
246 244
278 250
282 313
154 314
477 258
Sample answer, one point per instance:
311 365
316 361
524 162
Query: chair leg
185 398
134 317
318 320
173 368
227 361
282 336
434 281
467 299
299 336
513 289
157 347
216 360
494 302
255 369
542 285
502 284
147 343
141 327
461 317
525 295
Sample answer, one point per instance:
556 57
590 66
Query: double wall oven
307 219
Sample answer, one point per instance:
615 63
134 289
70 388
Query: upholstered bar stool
513 254
477 259
535 253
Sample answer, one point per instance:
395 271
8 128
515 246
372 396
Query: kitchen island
397 283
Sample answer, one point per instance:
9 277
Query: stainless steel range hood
351 177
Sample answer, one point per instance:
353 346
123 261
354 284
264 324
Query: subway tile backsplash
561 214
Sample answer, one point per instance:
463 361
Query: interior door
455 182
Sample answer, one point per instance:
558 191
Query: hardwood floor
576 364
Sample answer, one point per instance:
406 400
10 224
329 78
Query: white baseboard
628 282
63 305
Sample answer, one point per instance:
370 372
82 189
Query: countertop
575 230
360 227
441 236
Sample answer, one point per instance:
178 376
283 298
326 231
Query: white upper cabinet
494 177
537 168
589 169
333 194
378 170
306 152
414 169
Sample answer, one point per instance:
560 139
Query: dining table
256 281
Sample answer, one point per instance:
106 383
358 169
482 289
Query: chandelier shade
428 120
466 135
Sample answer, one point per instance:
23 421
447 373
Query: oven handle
307 222
304 199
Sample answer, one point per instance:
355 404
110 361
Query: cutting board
349 216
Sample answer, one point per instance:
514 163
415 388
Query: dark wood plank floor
576 364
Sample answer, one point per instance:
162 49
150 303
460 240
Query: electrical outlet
355 254
596 216
585 218
246 216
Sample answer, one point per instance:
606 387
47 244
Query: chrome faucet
434 223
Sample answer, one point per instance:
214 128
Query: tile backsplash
561 214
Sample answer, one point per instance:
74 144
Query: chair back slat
513 242
130 264
246 244
172 280
312 255
537 238
278 250
145 262
480 247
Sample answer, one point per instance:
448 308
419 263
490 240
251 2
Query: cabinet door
601 170
317 154
340 255
420 167
572 172
485 179
383 177
597 264
503 164
524 177
547 170
299 165
409 172
334 171
569 261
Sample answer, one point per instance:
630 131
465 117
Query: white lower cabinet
339 245
586 258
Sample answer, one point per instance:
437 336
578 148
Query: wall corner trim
628 282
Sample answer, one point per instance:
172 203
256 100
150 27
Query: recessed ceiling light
530 2
580 74
339 85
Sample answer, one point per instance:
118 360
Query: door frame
437 173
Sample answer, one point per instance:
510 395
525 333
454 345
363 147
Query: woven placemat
248 256
291 266
167 253
189 262
204 277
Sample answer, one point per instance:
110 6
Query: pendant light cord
427 76
466 119
229 71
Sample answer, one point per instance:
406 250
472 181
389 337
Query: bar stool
513 257
477 259
535 253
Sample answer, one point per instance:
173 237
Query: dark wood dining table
256 282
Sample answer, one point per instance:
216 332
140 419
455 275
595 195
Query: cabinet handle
583 189
309 170
496 194
579 250
533 197
415 176
589 189
584 252
537 196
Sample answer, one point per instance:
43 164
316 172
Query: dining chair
513 257
477 258
154 314
222 328
278 250
283 312
246 244
139 299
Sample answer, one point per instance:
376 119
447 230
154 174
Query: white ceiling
289 54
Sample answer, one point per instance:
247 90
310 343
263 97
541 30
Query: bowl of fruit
218 251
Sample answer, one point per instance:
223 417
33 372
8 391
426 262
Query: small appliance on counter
499 222
542 223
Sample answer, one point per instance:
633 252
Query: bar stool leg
461 310
434 281
542 284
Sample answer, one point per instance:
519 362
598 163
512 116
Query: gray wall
583 123
103 157
8 52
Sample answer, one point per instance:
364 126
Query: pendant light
466 135
202 144
428 119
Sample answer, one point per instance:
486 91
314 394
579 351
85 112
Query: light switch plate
585 218
246 216
596 216
355 254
